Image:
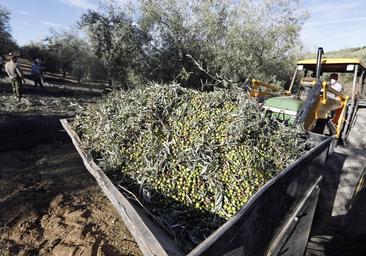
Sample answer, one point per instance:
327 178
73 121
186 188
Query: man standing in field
37 73
16 76
1 66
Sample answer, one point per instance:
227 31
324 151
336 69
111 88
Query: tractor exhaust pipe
312 98
319 62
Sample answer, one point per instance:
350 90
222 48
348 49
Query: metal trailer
275 221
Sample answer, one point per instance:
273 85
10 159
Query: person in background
37 73
334 84
15 74
1 65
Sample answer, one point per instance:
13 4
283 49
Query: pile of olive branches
193 159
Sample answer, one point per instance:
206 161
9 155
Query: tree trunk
109 76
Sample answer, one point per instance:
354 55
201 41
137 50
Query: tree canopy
194 42
7 43
116 40
234 39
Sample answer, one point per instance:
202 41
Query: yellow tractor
314 103
260 90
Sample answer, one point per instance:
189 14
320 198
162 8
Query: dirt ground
49 203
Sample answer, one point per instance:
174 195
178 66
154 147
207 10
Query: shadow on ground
339 226
28 89
49 203
25 131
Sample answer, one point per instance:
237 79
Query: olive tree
196 41
70 51
116 40
66 52
7 44
231 39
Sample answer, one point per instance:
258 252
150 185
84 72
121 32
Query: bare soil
49 203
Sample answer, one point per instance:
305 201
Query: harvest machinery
312 106
261 90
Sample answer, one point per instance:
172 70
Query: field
49 204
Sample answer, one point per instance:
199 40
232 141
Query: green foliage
115 40
40 50
66 52
73 55
7 44
233 39
194 158
359 53
193 42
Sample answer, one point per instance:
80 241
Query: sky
332 24
31 20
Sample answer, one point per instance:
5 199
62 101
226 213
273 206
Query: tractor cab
315 103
